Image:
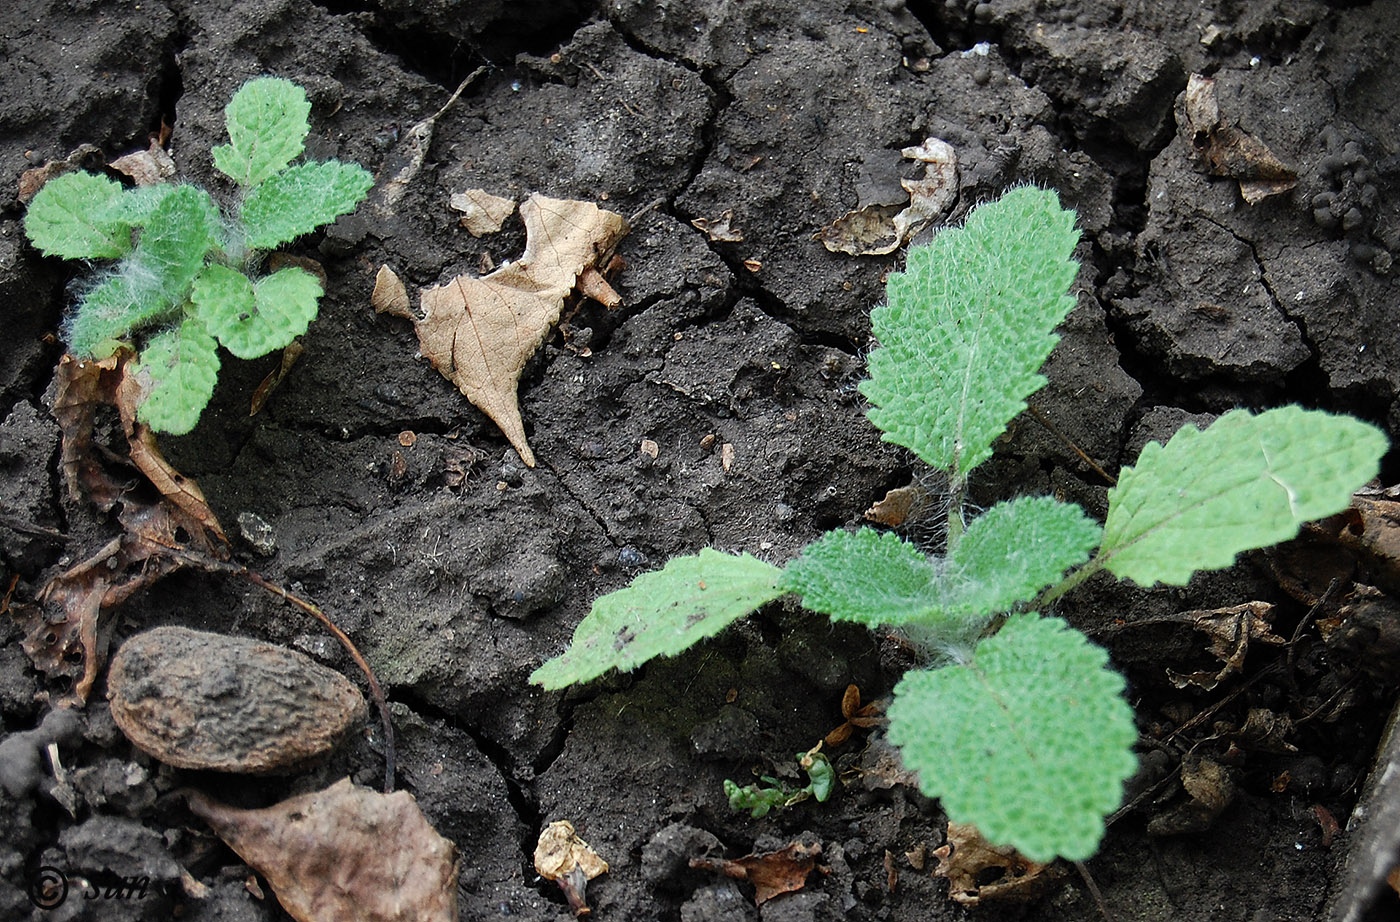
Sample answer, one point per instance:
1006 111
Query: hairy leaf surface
72 216
1245 482
1030 742
267 128
866 576
153 280
253 320
663 613
301 199
967 327
182 366
1014 550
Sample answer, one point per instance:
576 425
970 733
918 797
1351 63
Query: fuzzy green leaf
253 320
153 281
135 206
71 217
181 366
110 311
1014 550
1245 482
967 327
1030 741
663 613
302 199
178 235
866 576
267 125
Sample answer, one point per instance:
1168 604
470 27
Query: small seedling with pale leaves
187 274
1020 729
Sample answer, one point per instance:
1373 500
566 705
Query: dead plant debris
561 856
967 859
1222 148
771 873
344 853
479 332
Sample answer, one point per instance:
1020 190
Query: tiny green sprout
821 780
1017 725
186 277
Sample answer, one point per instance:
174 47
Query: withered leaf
721 229
878 228
967 858
32 180
479 332
482 212
1230 631
561 856
63 638
147 167
1224 149
1211 790
345 853
771 873
389 295
899 505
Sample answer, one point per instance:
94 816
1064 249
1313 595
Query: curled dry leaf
968 858
148 167
1224 149
482 212
899 505
878 228
389 295
1230 631
1210 788
721 229
66 640
32 180
771 873
561 856
290 355
479 332
345 853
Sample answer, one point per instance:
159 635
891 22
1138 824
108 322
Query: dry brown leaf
879 228
899 506
345 853
1211 790
721 229
290 355
482 212
857 716
561 856
968 858
66 641
771 873
1230 631
389 295
32 180
1223 149
148 167
479 332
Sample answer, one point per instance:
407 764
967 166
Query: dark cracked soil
458 570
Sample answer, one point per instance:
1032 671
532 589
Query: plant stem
1066 584
957 487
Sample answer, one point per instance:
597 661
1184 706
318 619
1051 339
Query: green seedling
1018 724
187 275
821 779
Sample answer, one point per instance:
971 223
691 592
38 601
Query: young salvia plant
187 275
1018 725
